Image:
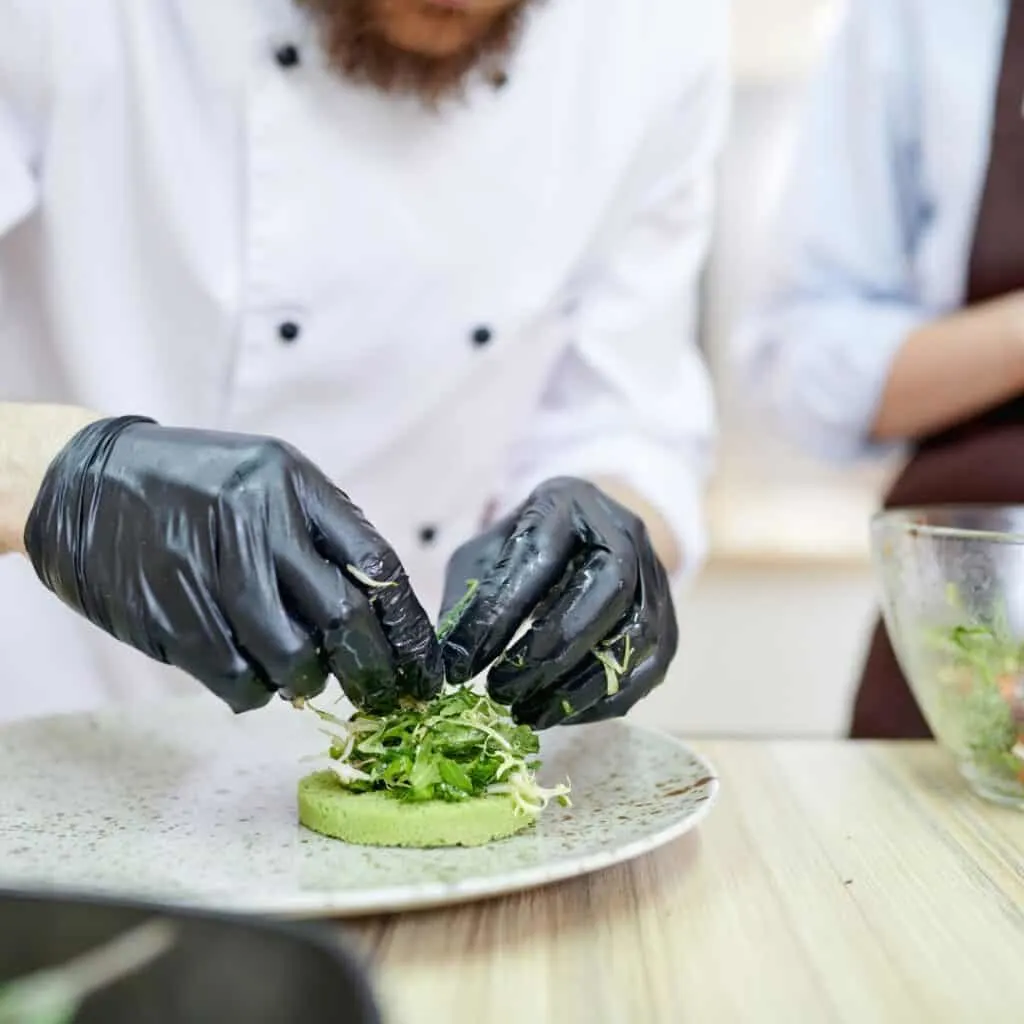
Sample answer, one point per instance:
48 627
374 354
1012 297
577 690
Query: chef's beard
357 46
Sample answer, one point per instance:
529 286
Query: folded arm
953 368
842 351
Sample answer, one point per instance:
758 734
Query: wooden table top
833 882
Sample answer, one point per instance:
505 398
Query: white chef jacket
439 309
875 231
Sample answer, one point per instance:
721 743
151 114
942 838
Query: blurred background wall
773 632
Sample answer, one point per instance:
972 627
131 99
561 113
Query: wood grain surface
833 882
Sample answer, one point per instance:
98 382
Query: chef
316 315
894 319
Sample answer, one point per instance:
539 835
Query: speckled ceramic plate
187 803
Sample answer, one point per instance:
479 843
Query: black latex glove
233 558
583 567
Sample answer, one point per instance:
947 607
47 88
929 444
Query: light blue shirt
877 223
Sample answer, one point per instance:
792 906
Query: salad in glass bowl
952 582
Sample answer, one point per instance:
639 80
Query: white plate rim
385 901
400 899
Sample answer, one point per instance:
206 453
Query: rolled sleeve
840 297
631 398
820 369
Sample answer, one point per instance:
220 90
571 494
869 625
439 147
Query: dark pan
220 967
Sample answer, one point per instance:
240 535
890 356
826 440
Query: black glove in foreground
233 558
604 629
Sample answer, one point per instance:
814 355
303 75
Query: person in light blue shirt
892 316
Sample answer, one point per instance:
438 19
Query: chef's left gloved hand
604 629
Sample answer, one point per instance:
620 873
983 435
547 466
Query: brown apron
981 460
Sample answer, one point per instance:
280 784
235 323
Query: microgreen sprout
460 745
614 669
451 620
368 581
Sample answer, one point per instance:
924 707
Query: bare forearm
30 437
954 368
662 537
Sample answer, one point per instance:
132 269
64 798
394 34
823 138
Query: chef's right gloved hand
233 558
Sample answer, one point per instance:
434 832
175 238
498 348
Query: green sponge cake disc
376 819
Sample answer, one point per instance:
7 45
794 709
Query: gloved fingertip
514 672
522 714
517 677
305 679
248 699
551 716
600 712
457 663
378 696
416 682
306 687
506 691
434 664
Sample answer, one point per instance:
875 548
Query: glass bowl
952 588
